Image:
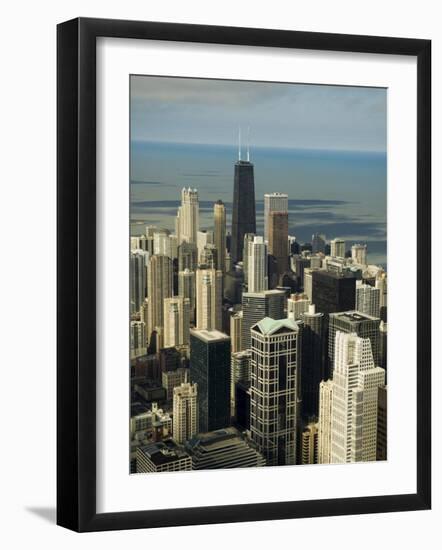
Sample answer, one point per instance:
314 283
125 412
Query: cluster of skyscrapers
253 349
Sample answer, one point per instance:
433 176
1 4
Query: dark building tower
333 292
210 369
381 436
278 249
243 212
313 361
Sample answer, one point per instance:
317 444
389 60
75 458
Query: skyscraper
176 321
210 369
273 415
273 202
337 248
278 236
138 261
209 299
188 216
309 444
360 324
359 254
137 339
185 412
187 256
236 330
381 439
257 265
367 299
356 381
332 292
324 423
203 238
243 212
318 243
240 365
186 289
248 238
297 304
313 361
159 283
256 306
219 222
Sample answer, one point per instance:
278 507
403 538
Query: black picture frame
76 274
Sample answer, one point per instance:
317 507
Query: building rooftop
353 316
271 326
263 293
163 452
210 335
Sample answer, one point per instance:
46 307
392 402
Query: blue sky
279 115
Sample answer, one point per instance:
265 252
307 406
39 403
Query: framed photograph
243 225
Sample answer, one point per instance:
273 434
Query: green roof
270 326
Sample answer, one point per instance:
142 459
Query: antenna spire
239 143
248 143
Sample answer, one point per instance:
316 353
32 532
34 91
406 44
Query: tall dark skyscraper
313 361
333 292
243 212
256 306
210 369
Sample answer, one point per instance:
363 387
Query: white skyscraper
273 403
355 400
159 284
176 321
381 284
185 412
297 304
359 254
203 238
273 202
367 299
209 299
324 422
337 248
188 216
257 265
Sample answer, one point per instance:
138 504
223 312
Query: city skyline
251 346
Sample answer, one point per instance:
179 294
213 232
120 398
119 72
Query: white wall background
27 274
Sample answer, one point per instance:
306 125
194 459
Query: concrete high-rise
367 299
243 210
203 238
176 321
273 202
236 331
381 439
240 365
277 249
188 216
297 304
256 306
310 444
324 422
257 280
209 299
160 285
337 248
361 324
185 412
274 369
210 369
356 381
138 340
359 254
219 223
